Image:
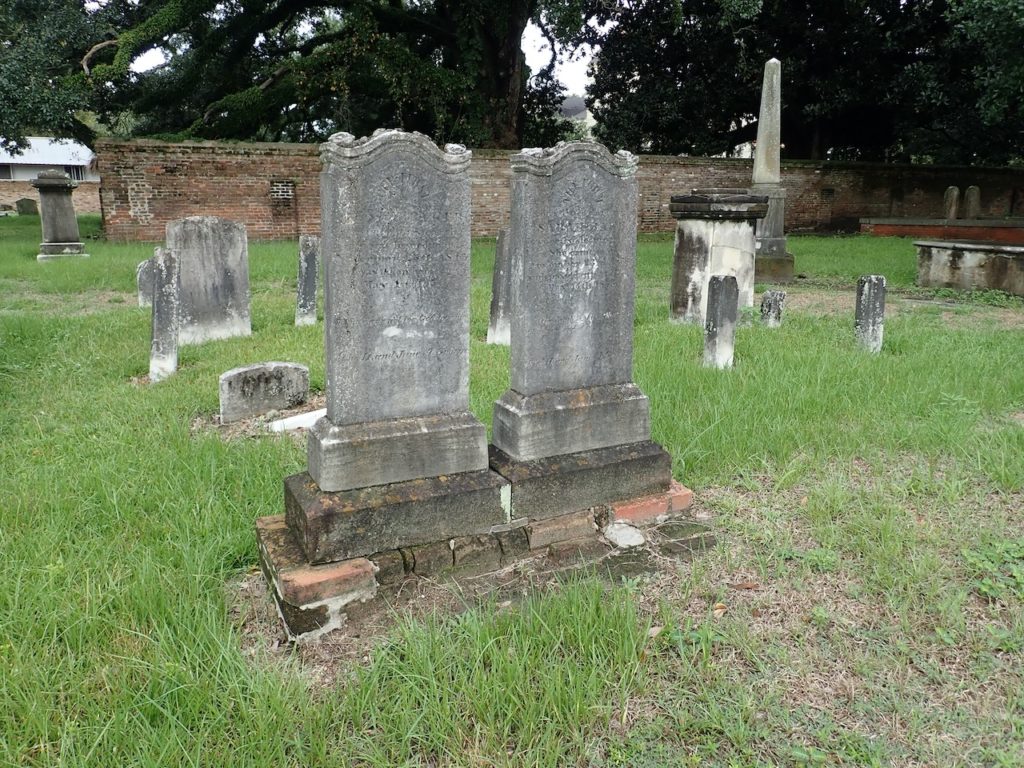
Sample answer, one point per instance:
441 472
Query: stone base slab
528 427
60 250
351 456
341 525
559 485
774 269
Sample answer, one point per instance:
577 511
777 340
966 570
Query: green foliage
998 568
868 80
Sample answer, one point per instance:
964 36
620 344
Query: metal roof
47 151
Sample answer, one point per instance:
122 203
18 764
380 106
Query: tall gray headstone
163 356
144 281
771 308
714 236
870 314
720 325
57 216
972 202
213 255
951 203
396 245
499 329
309 268
774 263
573 236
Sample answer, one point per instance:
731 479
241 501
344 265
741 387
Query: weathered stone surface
582 551
26 206
499 330
309 268
573 244
870 314
571 527
253 390
360 522
396 258
310 599
342 457
144 281
951 203
970 266
432 559
163 355
476 554
714 236
720 326
772 304
767 151
57 216
552 486
972 202
390 566
569 421
770 230
214 256
513 540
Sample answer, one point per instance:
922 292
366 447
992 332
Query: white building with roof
44 154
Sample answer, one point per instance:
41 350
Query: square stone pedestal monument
573 430
398 463
714 236
57 216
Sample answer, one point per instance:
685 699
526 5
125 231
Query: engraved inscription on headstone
213 254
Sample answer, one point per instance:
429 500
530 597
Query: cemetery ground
863 605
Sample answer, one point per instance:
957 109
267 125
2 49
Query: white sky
572 74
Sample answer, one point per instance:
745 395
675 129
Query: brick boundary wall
86 198
274 189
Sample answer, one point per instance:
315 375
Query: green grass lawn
864 605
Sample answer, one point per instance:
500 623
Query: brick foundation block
649 509
310 598
576 525
558 485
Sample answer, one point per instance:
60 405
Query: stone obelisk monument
772 263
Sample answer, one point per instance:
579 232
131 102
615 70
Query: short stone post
163 356
972 202
771 308
144 281
870 318
773 263
57 216
499 330
720 326
951 202
309 268
714 236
